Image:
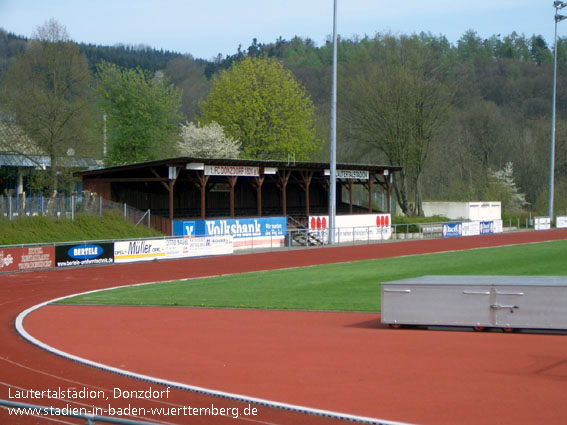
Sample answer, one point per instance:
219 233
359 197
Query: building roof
13 140
182 162
16 160
18 150
43 161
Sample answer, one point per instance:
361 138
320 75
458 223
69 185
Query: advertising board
475 228
452 230
246 232
198 247
140 250
353 227
231 170
498 226
561 222
84 254
471 228
352 174
486 227
27 258
542 223
170 248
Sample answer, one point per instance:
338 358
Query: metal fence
297 234
359 235
60 206
68 207
55 206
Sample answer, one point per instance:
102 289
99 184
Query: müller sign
231 170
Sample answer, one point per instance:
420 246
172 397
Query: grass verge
48 230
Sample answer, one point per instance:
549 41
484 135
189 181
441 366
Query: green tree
261 104
483 130
514 46
187 74
47 92
396 107
141 114
470 47
539 50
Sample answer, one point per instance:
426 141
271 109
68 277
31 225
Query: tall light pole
558 18
333 149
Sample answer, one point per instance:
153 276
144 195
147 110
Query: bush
414 222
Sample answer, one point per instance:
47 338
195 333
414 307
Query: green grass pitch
351 286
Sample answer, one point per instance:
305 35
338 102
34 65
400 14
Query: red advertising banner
29 258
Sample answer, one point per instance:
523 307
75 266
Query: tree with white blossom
207 141
502 187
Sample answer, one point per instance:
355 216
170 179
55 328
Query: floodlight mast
558 18
333 147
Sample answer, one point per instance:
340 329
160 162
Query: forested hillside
468 121
125 56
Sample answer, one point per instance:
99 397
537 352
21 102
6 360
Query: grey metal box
535 302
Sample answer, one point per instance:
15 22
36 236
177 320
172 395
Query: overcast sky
205 28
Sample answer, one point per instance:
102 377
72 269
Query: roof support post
259 181
388 197
171 203
349 188
20 184
370 185
203 180
173 174
306 177
283 180
232 182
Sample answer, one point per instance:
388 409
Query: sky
206 28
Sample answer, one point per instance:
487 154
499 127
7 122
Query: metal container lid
484 280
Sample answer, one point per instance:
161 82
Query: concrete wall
452 210
485 211
464 210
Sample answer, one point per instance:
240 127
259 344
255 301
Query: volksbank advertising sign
246 232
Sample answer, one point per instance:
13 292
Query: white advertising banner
159 249
498 226
475 228
542 223
352 174
353 227
471 228
231 170
141 250
198 246
561 222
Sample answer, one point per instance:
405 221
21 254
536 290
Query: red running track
345 362
530 369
